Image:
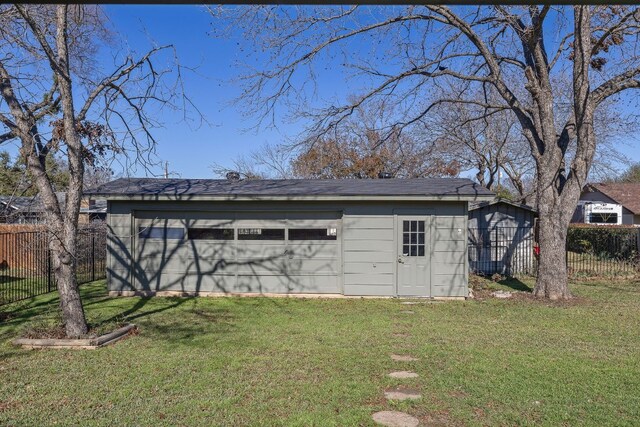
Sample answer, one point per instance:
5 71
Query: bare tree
53 100
491 146
268 161
518 52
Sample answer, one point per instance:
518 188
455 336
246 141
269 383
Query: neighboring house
21 210
30 210
92 210
384 237
501 237
612 203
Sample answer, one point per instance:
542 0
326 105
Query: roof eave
229 198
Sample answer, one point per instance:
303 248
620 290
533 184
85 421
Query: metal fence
591 251
603 251
503 250
25 262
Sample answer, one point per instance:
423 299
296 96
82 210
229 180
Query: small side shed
384 237
501 237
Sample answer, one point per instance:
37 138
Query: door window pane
413 238
173 233
210 233
260 233
313 234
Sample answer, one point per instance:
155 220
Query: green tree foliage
15 180
631 175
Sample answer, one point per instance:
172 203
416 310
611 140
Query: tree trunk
70 303
552 281
64 269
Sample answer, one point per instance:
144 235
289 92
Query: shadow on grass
175 324
515 284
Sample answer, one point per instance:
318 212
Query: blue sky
192 150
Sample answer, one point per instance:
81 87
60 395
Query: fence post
48 266
93 256
495 262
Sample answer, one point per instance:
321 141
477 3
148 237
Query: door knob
400 260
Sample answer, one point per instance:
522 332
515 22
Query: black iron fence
603 251
600 251
504 250
25 262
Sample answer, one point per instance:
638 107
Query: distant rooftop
185 188
626 194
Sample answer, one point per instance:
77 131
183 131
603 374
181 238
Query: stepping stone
403 374
401 334
409 303
402 394
395 419
501 294
407 312
403 358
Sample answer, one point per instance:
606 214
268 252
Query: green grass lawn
263 361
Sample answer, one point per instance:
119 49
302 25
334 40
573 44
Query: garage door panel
182 282
260 252
256 257
187 265
312 266
317 250
262 266
206 249
288 284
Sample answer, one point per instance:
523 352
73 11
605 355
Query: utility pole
166 169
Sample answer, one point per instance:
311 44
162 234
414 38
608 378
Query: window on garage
413 238
260 233
161 233
210 233
313 234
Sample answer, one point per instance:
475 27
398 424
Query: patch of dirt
44 332
478 412
520 296
8 404
458 394
438 419
40 331
401 334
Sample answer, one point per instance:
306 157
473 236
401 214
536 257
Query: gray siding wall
501 239
501 215
366 239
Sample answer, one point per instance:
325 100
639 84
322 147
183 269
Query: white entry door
413 256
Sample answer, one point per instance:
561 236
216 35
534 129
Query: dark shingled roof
480 205
292 187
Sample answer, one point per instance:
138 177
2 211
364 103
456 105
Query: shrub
607 242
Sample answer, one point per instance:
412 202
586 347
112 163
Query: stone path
402 394
403 374
403 358
395 419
